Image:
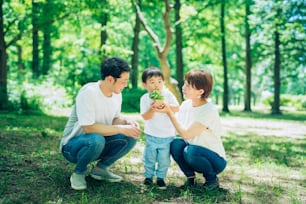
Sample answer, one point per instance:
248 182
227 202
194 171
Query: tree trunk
179 47
3 65
47 48
35 40
277 65
134 60
103 33
225 86
248 60
162 52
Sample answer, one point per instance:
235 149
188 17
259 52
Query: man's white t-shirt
159 125
207 115
91 107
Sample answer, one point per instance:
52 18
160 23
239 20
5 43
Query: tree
223 44
248 60
3 65
35 39
277 66
162 52
179 46
103 33
134 61
47 29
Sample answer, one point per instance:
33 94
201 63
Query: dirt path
264 127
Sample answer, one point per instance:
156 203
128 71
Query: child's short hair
150 72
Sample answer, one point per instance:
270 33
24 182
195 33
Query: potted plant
157 98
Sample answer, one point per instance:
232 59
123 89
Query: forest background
255 49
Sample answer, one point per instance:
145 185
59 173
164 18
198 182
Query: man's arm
108 130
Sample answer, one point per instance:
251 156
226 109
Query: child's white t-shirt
91 107
159 125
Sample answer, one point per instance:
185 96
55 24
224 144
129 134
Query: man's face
120 83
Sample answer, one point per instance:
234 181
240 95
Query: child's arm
149 114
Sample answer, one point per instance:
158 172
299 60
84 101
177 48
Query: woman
200 148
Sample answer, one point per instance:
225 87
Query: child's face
155 82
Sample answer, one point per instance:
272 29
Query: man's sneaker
147 182
78 181
103 174
189 183
211 185
161 184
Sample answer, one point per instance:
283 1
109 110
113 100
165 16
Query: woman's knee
177 147
190 153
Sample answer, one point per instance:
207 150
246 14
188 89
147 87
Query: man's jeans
157 150
87 148
192 158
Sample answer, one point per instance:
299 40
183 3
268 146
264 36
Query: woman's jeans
157 151
192 158
87 148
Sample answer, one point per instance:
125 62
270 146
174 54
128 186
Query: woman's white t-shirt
207 115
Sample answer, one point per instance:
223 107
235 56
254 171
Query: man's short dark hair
114 67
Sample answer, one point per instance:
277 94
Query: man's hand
131 130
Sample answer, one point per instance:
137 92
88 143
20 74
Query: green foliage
131 99
297 102
30 104
43 96
156 95
75 35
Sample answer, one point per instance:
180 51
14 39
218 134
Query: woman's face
190 92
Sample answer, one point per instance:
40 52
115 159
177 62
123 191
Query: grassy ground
266 164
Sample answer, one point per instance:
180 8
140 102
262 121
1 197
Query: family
96 131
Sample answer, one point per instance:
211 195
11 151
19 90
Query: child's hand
158 104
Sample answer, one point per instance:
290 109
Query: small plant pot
158 104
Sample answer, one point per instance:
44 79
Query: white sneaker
104 174
78 181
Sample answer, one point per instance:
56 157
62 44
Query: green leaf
156 95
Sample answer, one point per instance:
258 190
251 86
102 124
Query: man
95 130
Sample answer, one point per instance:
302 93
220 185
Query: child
158 128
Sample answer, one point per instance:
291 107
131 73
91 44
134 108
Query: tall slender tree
179 46
3 65
224 62
103 33
248 60
47 29
35 39
134 60
277 67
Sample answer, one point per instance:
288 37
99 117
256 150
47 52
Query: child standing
158 128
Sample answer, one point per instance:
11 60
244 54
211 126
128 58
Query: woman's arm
193 130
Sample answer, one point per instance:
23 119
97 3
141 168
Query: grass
266 164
